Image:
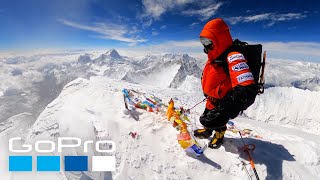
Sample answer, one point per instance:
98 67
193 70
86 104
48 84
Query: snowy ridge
191 85
188 68
302 75
148 61
309 83
288 106
170 70
47 124
159 75
17 125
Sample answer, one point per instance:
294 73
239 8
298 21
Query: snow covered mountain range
42 97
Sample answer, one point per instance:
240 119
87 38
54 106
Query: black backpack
252 53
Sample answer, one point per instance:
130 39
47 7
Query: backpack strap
222 60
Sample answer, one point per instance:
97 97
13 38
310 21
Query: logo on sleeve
240 66
245 77
236 57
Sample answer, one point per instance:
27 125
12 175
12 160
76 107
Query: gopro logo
71 163
62 144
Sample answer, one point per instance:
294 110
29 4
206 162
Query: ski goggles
207 44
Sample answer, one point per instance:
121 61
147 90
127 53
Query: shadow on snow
267 153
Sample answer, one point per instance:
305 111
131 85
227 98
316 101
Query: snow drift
288 106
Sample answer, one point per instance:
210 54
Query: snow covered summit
113 54
93 109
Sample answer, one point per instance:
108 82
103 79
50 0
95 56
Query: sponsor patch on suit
240 66
245 77
234 57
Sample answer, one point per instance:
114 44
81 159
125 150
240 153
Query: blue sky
288 29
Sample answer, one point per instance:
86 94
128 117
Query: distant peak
114 54
83 59
185 56
112 50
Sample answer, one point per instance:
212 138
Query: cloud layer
306 51
271 18
294 50
109 31
205 12
153 9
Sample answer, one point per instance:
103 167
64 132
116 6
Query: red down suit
228 92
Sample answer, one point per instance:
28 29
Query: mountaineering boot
203 133
217 139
